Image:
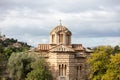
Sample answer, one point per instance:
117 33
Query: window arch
62 70
78 71
60 38
53 38
68 38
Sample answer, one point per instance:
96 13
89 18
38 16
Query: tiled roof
60 48
43 47
77 47
60 28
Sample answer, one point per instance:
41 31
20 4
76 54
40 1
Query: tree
40 71
7 47
99 61
116 49
19 65
105 63
29 66
1 48
113 71
3 62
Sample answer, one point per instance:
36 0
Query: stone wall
65 66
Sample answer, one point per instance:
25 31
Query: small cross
60 22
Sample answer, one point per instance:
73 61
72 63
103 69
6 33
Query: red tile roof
47 47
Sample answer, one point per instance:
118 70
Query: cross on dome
60 22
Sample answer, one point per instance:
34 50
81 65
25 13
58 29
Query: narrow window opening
62 69
80 68
65 69
53 38
60 38
68 39
59 70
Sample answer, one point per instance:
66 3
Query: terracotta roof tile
43 47
77 47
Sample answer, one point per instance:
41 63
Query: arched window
80 67
62 70
68 39
59 70
53 38
60 38
65 69
78 73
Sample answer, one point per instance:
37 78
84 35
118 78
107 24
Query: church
66 60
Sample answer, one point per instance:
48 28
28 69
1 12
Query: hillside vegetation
7 47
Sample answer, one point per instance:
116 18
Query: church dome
60 28
60 35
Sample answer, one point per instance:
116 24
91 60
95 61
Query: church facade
67 61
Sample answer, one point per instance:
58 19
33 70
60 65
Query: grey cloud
38 5
62 5
95 33
33 31
85 18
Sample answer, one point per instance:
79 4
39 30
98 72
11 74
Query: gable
62 48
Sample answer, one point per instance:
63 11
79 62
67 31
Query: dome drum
60 35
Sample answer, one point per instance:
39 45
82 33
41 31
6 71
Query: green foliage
6 49
11 49
7 45
3 62
116 49
113 71
40 71
104 63
1 48
7 42
98 63
3 78
29 66
19 65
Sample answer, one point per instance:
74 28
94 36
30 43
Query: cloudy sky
92 22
